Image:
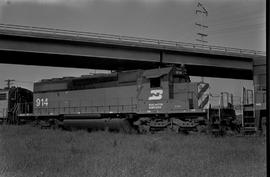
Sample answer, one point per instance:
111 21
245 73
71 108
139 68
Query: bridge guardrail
119 38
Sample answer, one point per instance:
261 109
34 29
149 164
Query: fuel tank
95 123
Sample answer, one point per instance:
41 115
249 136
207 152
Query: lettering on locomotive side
156 95
177 106
42 102
155 106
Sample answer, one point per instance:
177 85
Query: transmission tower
202 13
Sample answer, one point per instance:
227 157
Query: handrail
120 38
86 109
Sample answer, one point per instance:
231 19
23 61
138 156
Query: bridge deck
38 32
115 52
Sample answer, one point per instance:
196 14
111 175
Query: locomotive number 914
42 102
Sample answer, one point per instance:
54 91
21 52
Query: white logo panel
156 95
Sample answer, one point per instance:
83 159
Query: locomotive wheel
143 129
183 131
127 128
57 124
201 128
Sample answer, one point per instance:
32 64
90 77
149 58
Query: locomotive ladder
249 120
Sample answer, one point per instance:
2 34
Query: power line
236 28
246 31
30 82
236 19
239 14
241 20
11 82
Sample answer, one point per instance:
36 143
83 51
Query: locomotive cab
168 98
169 91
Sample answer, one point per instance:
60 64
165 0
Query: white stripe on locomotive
203 95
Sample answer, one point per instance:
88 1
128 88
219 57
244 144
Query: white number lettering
45 102
42 102
37 102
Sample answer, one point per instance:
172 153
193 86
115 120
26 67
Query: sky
231 23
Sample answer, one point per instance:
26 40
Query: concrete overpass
63 48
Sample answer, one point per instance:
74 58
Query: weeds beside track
28 151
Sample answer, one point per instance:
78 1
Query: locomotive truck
142 100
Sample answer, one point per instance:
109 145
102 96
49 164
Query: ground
32 152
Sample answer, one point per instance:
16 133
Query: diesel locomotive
141 100
15 100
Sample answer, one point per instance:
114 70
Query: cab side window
155 82
180 79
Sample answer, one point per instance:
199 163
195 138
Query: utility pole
9 82
202 12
